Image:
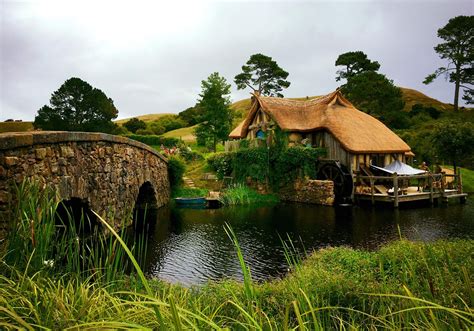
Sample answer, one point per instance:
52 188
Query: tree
454 142
458 49
134 124
376 95
263 75
355 63
217 116
77 106
191 116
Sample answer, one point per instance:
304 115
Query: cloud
151 57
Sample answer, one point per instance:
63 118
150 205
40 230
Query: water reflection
190 246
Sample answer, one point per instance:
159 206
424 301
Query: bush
145 132
278 165
221 163
134 124
176 168
153 140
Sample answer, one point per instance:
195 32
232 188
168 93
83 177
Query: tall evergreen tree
354 63
263 75
216 120
458 49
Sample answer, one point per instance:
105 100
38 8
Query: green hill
412 97
185 134
145 118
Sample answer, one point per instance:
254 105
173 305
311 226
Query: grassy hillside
15 126
145 118
412 97
185 134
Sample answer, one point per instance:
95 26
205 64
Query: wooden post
372 190
430 181
459 181
395 190
443 179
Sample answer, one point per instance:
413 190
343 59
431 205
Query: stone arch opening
75 213
144 211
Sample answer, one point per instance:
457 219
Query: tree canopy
458 50
371 91
263 75
77 106
454 142
217 116
354 63
134 124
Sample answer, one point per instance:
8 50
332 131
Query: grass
403 285
412 97
239 194
185 134
16 126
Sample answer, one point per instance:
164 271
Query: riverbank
403 284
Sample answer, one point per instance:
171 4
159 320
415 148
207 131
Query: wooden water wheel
338 173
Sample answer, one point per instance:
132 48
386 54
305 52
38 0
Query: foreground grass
403 285
68 282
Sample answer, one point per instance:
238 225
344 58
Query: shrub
145 132
221 163
134 124
153 140
176 168
275 164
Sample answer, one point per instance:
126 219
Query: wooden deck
397 189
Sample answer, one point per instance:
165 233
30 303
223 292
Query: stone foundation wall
107 171
320 192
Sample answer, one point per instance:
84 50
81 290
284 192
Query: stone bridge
109 174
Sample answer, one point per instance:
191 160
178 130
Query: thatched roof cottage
331 121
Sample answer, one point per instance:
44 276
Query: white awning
400 168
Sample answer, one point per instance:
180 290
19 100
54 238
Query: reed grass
401 285
240 194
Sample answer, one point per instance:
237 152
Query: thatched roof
357 131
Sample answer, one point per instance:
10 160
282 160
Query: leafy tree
217 116
156 127
454 142
171 122
375 94
134 124
77 106
355 63
458 49
263 75
192 115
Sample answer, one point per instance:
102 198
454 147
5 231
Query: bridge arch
110 172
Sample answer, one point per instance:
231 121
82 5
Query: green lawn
185 134
467 176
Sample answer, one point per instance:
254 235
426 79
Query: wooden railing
434 182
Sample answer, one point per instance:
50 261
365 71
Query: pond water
190 246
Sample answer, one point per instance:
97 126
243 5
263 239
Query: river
190 246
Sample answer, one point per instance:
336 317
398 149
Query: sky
151 56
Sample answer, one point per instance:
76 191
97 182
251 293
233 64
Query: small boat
190 201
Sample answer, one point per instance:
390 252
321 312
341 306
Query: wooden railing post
395 190
459 181
372 190
430 181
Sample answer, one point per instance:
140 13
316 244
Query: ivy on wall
276 164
